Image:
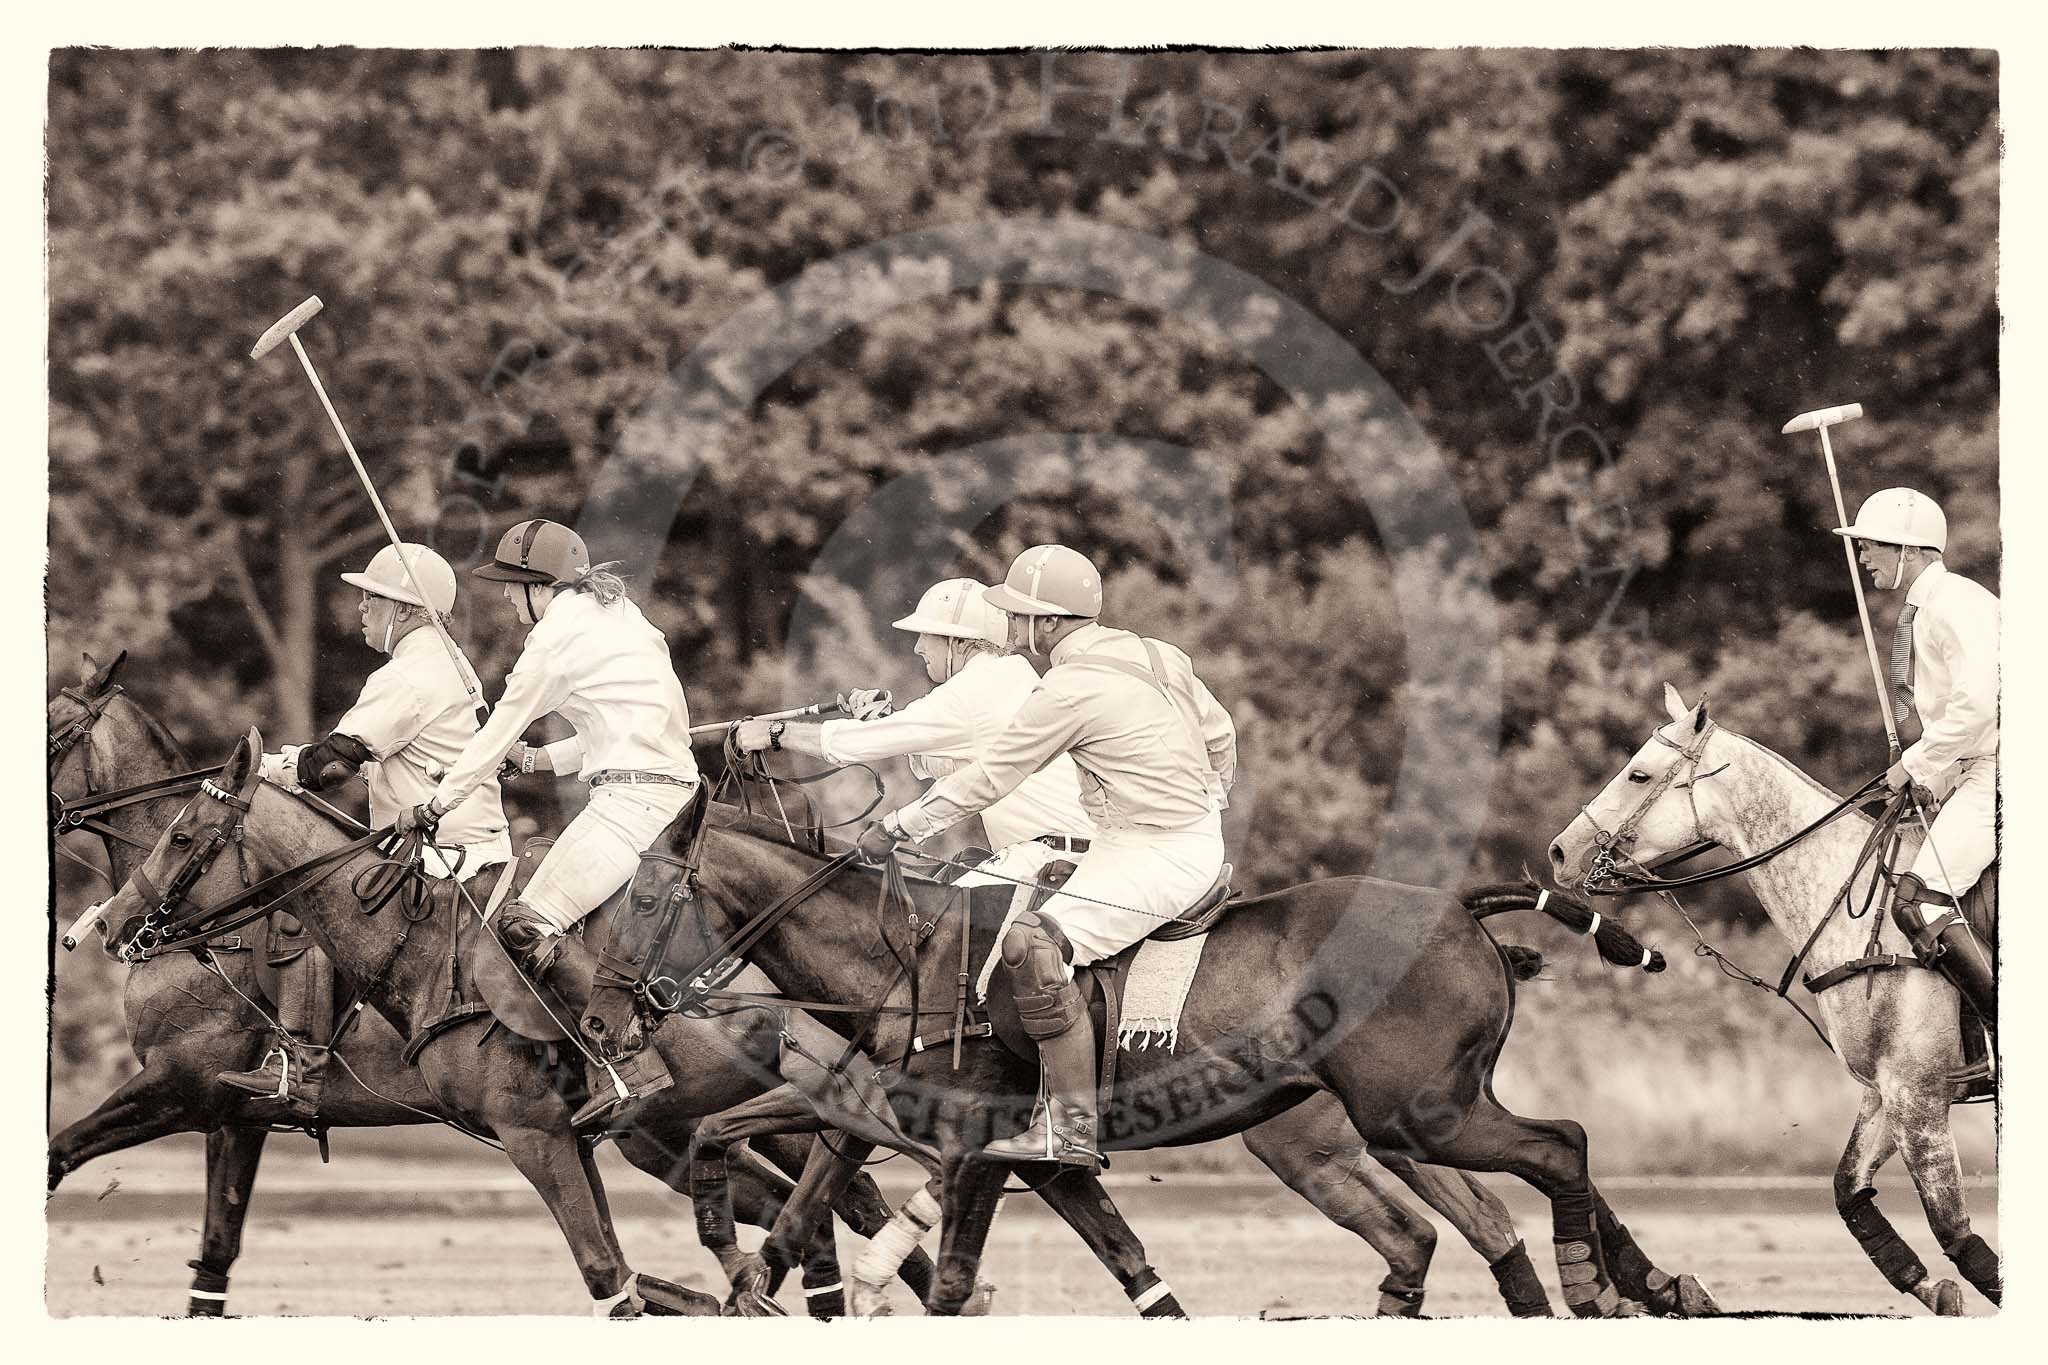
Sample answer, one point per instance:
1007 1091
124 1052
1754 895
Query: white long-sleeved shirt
604 669
949 727
416 718
1145 759
1954 671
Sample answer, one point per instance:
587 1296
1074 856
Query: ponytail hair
601 581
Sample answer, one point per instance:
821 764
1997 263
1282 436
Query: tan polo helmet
1049 580
1899 516
956 609
386 577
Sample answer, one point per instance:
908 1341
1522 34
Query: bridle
86 813
1608 875
164 929
1615 872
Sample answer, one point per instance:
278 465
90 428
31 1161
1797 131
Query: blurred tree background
1672 251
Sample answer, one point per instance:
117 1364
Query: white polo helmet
385 577
1050 580
1899 516
956 609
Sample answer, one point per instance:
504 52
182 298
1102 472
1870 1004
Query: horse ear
1675 704
1699 715
248 753
95 679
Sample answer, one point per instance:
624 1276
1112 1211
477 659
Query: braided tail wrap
1618 947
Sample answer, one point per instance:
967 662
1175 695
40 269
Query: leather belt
606 776
1064 843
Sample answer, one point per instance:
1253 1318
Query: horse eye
644 902
181 840
1639 777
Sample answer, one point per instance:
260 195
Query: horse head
1653 808
156 904
72 715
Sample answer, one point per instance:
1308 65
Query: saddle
528 1009
1101 983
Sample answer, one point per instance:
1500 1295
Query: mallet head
1806 421
284 327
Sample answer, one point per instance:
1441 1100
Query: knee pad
1906 908
1035 957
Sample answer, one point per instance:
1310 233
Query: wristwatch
775 729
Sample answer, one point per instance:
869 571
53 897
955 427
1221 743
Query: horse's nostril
1557 857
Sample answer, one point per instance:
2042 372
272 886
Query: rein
1609 877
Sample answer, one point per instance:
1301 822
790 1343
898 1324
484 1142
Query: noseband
1617 846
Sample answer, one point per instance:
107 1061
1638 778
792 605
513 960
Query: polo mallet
286 328
1820 420
719 727
84 925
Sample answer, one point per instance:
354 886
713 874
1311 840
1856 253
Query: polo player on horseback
1944 671
411 721
1155 755
592 658
978 690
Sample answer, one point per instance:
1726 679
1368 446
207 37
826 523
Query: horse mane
1813 784
810 840
158 731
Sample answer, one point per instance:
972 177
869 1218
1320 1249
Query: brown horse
1895 1028
1392 998
1312 1148
189 1021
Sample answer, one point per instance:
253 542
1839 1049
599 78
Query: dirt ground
1229 1248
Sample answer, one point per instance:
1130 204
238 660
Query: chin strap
1899 573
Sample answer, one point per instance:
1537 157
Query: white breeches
601 849
1133 880
1964 838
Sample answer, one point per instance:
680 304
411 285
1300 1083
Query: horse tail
1618 947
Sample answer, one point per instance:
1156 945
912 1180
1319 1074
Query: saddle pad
1155 988
1155 991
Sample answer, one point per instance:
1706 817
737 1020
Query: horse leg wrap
1631 1269
624 1304
1400 1300
209 1293
877 1264
711 1193
824 1291
1979 1264
1578 1272
1881 1243
1519 1287
1151 1296
1035 955
1575 1229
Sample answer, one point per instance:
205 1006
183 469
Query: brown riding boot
566 966
294 1073
1064 1122
1946 942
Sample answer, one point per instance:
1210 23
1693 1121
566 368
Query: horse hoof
865 1300
977 1305
1945 1299
752 1303
1693 1299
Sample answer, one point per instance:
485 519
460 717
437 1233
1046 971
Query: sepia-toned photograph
1065 683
